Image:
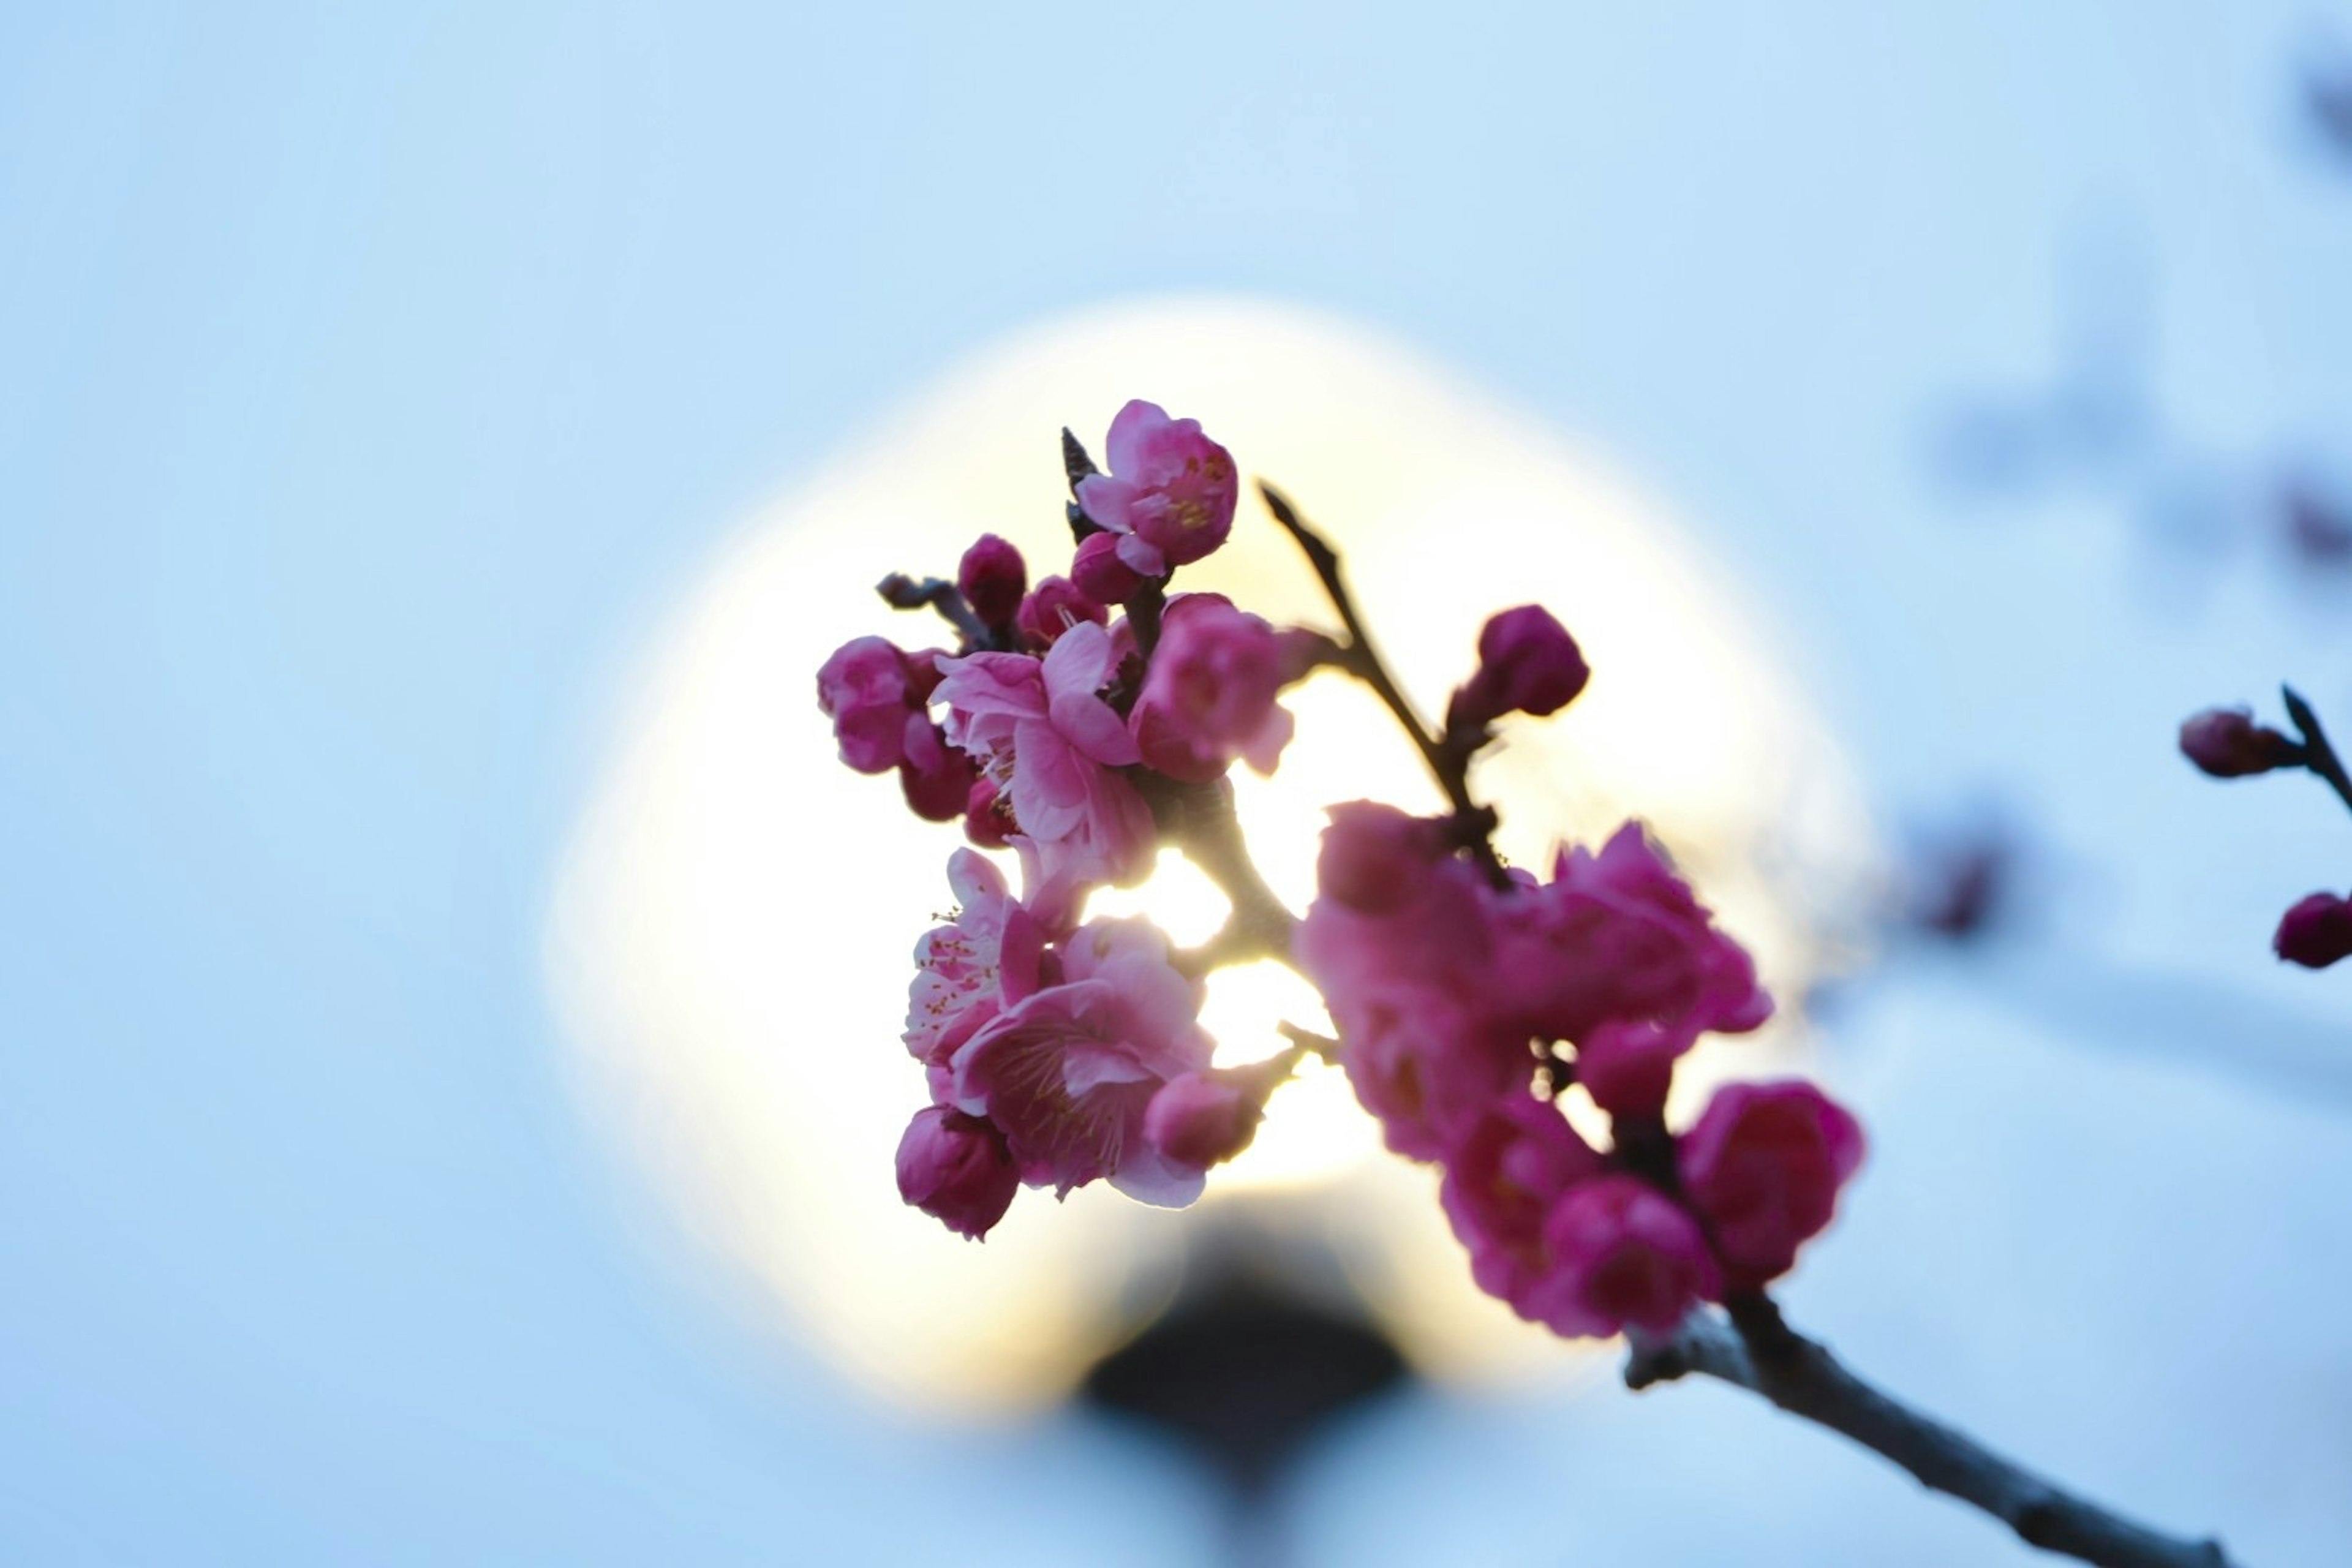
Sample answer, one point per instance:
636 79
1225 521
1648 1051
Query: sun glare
729 942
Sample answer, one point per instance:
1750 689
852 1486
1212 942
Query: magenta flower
874 695
993 578
1764 1165
1100 573
1427 1063
935 777
1209 694
2315 933
956 1169
1053 607
1170 493
1502 1180
1206 1117
1069 1072
1526 664
1617 934
1041 729
1624 1256
2227 743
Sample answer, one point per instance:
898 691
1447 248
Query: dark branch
1754 1348
902 591
1199 819
1359 657
2318 755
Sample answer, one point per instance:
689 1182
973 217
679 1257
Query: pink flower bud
1625 1255
1168 497
1526 664
1204 1118
992 579
1627 1065
2227 743
956 1169
1375 858
872 692
935 777
1053 607
987 815
1098 572
2315 933
1764 1165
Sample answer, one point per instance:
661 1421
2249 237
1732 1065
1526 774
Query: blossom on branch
1170 493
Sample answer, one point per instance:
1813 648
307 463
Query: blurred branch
1751 1347
2318 755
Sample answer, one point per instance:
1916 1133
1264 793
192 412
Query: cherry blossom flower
1502 1180
1170 493
1069 1071
2315 933
1053 607
1624 1256
1526 664
966 972
1210 694
992 579
1763 1165
1043 732
956 1169
2227 743
875 692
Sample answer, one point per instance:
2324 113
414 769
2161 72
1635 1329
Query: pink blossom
992 577
956 1169
1627 1065
1502 1180
1098 572
1526 664
1624 1255
935 777
1053 607
874 693
1617 934
2315 933
1203 1118
1764 1165
1376 859
982 961
1170 493
987 815
1042 731
1209 695
1427 1063
1069 1071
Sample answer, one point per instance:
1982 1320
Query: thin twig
1449 767
2317 754
902 591
1323 1046
1751 1347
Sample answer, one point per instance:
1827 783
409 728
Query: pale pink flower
1503 1178
1526 664
982 961
1170 493
1069 1072
1624 1255
1042 730
1764 1164
1209 694
956 1169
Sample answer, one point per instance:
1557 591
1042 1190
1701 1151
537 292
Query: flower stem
1750 1345
2318 755
1448 766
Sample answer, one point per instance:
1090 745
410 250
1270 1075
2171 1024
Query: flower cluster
1084 722
2226 744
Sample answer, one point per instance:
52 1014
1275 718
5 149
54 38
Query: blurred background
447 989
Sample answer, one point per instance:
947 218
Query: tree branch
2317 754
1360 659
1751 1347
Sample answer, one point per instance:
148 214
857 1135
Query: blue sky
370 381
